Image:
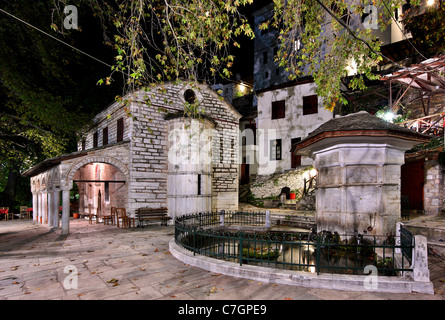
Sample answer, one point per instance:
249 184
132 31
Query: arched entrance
100 187
93 174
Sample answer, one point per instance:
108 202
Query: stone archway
95 159
68 175
102 183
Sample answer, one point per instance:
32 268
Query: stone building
147 155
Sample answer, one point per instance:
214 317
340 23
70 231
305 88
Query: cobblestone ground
112 263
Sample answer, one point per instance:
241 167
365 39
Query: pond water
299 256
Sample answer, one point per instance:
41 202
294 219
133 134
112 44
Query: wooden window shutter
95 139
278 109
120 129
105 136
310 104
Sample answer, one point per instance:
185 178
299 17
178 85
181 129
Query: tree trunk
7 197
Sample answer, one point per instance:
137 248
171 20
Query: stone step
294 218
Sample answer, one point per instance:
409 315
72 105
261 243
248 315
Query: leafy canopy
167 40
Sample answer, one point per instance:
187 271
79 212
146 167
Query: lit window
275 149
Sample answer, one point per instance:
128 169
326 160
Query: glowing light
242 88
313 173
430 2
389 116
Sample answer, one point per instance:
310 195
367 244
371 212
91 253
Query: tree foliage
165 40
427 29
47 90
169 40
331 34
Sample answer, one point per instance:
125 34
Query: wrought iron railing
406 243
212 234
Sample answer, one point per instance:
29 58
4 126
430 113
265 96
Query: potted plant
75 215
293 194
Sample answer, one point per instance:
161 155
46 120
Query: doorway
412 182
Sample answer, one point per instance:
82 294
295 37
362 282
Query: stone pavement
135 264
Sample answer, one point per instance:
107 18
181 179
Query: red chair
4 212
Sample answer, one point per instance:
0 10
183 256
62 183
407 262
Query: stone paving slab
135 264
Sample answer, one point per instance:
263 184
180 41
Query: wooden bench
147 214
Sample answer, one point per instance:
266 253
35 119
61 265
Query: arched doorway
100 186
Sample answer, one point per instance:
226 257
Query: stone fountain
358 158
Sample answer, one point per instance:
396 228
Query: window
95 139
190 96
84 144
107 191
120 129
295 160
199 184
275 149
310 104
105 136
265 57
278 109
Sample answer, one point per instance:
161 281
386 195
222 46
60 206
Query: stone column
65 211
50 208
45 207
56 205
35 205
39 216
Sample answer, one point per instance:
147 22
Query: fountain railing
245 238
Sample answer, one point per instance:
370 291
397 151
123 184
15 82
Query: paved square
125 264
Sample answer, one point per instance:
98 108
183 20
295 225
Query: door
412 181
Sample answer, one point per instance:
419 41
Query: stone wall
106 119
146 129
433 188
266 186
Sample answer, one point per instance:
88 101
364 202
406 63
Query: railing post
241 249
194 240
420 259
221 218
267 219
317 255
398 237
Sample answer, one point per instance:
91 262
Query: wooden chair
130 220
121 213
110 217
24 212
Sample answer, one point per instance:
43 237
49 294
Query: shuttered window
105 136
278 109
120 129
95 139
310 104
